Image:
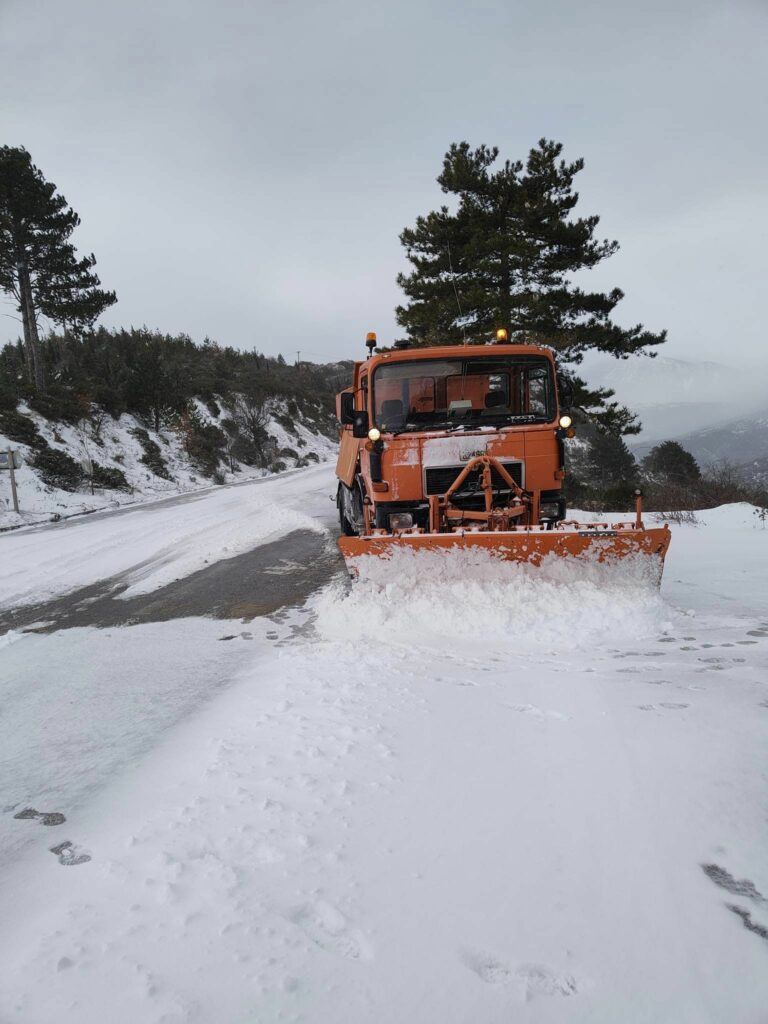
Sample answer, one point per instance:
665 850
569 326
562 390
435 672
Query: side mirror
347 408
360 423
565 391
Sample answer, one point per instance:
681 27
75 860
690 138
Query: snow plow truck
464 446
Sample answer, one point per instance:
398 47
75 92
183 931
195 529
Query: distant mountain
755 471
673 397
741 442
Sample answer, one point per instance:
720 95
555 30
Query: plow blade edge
585 543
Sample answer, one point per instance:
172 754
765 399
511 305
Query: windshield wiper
519 418
452 425
412 428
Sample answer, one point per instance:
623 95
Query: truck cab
415 419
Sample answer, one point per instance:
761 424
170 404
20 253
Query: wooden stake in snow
11 462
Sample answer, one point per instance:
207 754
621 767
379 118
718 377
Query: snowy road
445 796
81 703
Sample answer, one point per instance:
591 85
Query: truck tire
349 500
346 529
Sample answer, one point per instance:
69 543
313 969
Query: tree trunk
25 325
505 289
31 336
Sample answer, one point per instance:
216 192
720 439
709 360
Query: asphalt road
262 581
272 576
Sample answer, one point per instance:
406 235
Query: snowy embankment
484 795
114 444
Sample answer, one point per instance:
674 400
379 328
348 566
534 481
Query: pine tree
611 462
669 462
505 258
39 267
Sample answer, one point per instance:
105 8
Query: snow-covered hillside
116 444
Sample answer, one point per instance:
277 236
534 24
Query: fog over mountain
676 397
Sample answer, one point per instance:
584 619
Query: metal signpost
11 460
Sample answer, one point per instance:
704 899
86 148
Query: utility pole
298 358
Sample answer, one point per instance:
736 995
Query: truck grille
439 478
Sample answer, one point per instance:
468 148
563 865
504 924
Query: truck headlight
400 521
374 434
565 422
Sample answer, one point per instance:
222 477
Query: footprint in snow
44 817
723 661
531 709
70 855
743 887
529 980
670 705
735 886
329 929
746 920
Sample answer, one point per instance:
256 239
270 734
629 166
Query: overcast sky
243 169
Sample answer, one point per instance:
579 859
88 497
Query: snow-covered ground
454 792
114 445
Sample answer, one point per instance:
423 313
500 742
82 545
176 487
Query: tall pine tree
39 267
506 257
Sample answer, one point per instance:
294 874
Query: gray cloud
243 169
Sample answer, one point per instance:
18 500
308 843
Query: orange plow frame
493 529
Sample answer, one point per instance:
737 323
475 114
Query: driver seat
392 413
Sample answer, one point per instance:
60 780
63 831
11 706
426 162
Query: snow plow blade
584 541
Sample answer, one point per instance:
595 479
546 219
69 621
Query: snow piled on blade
430 598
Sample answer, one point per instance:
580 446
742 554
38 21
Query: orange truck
464 446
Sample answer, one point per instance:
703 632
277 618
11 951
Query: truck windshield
430 394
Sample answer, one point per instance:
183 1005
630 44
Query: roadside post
11 460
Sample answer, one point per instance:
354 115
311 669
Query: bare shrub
680 517
252 417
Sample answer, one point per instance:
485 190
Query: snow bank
433 598
736 515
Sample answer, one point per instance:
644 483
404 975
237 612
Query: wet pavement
270 577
